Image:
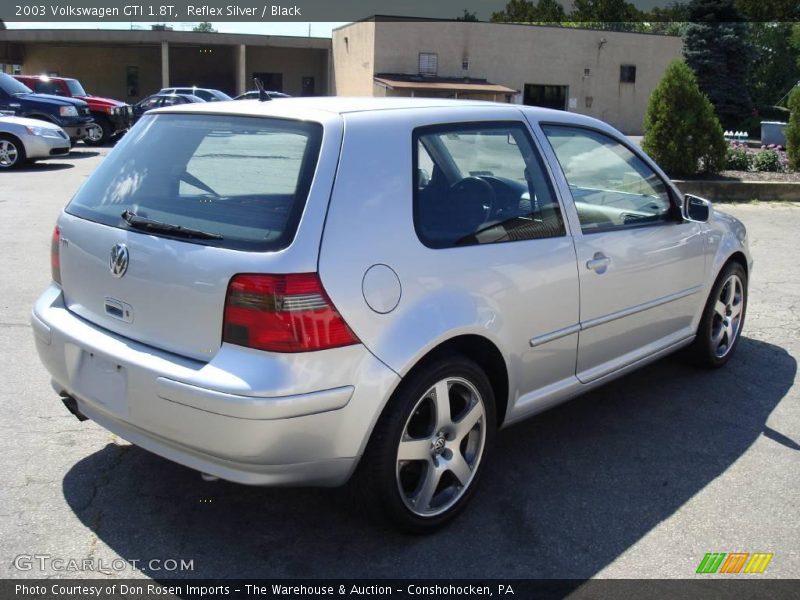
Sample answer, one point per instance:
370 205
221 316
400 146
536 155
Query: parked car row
112 117
70 113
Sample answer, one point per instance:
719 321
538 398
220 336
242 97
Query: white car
26 140
283 293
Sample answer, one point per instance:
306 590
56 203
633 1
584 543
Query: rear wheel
12 152
723 317
423 460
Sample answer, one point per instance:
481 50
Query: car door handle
598 263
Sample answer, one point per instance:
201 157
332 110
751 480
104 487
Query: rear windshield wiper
146 224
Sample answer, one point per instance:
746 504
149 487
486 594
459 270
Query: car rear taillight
55 255
283 313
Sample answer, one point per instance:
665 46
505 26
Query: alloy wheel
727 319
441 447
8 154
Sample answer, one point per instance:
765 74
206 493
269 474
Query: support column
241 69
164 64
329 83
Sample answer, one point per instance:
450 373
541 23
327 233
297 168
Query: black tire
712 347
12 152
108 131
381 478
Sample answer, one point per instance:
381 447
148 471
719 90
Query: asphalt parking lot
638 479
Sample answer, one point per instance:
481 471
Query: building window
428 63
627 73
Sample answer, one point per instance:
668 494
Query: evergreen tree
717 50
682 133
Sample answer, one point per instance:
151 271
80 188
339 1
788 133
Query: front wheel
12 152
424 457
723 318
98 133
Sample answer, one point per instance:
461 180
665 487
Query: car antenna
263 96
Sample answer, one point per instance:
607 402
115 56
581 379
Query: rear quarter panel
476 290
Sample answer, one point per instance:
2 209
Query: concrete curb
741 191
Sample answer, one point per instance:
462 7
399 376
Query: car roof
295 107
326 108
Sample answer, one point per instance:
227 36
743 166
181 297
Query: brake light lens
283 313
55 255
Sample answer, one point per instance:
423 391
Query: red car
112 116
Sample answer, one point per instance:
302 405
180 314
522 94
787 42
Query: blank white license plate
104 382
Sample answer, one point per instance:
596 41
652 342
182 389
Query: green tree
681 131
716 48
793 130
204 27
769 10
605 11
525 11
668 20
614 15
467 16
794 40
775 67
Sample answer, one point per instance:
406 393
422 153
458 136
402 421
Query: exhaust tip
72 406
208 477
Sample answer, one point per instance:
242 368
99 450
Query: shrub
793 130
739 159
768 160
682 133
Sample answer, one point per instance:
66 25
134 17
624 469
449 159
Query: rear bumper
200 414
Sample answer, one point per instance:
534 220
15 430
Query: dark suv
71 114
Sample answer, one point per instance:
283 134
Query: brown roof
456 86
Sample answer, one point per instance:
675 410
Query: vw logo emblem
438 445
118 261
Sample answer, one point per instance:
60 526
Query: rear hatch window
232 182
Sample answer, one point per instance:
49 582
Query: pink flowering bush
771 158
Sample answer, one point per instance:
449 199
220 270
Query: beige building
604 74
129 65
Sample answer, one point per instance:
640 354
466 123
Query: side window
151 103
481 183
611 186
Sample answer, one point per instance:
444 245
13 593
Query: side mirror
696 209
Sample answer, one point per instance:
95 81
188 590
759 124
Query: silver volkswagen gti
297 292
